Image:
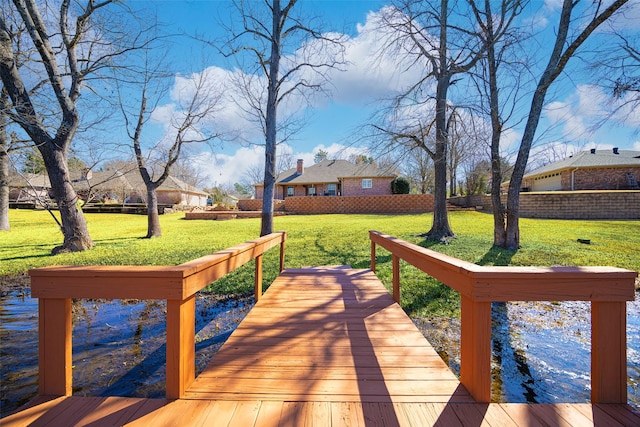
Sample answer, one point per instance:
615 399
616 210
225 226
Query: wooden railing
56 286
607 288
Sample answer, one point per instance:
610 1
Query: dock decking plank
324 347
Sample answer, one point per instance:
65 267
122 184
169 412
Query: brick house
588 170
331 178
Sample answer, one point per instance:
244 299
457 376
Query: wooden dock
323 346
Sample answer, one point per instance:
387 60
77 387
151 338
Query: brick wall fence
567 204
390 204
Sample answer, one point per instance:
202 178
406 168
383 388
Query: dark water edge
541 351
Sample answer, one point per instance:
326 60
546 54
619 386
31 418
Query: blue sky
333 123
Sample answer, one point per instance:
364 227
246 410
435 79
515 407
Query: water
541 351
118 345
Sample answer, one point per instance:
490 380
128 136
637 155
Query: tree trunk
4 177
452 182
499 214
271 117
512 232
440 228
153 218
74 226
4 163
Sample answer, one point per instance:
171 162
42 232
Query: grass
322 240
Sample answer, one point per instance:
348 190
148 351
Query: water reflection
508 357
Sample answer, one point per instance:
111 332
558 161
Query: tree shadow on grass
497 256
47 255
117 240
366 263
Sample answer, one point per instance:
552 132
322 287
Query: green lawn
322 240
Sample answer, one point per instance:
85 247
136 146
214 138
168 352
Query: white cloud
510 141
374 71
589 114
219 169
224 168
340 151
553 5
578 114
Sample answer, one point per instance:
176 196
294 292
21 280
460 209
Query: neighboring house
331 178
106 186
111 186
29 188
588 170
172 191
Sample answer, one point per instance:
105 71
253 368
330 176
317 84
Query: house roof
106 180
29 180
103 180
331 171
169 184
591 159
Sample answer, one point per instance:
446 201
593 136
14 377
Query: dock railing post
395 261
282 242
608 352
55 347
181 360
257 289
475 348
373 255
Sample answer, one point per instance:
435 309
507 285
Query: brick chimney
300 167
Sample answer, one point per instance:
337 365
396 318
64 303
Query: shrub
400 185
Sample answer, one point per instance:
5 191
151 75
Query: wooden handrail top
146 282
496 283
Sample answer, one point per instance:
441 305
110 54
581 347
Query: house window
311 191
289 191
331 189
367 183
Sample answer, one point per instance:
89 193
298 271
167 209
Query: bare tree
285 161
253 175
426 32
66 46
187 126
418 166
571 33
617 70
270 31
496 23
461 145
4 162
184 170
